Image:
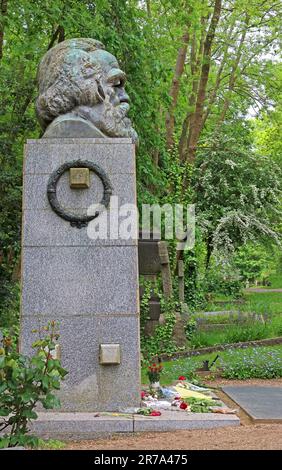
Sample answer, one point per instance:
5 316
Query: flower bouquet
154 374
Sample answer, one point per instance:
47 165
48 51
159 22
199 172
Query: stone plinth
81 426
89 286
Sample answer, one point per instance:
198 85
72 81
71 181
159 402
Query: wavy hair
65 79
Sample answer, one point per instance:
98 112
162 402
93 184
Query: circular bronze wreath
78 221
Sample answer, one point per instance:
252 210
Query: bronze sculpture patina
81 92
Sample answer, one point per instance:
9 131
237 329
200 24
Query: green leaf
27 396
29 414
51 401
4 442
3 387
4 411
45 381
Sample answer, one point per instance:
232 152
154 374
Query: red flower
154 365
143 394
155 413
181 377
183 405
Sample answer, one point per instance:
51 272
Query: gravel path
258 289
258 437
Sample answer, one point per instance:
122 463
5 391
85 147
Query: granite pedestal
89 286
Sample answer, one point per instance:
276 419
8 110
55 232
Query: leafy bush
216 283
10 307
190 328
258 363
255 261
162 340
26 382
144 307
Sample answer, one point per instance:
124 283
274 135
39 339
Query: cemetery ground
255 315
249 435
250 366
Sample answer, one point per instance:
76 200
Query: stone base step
79 426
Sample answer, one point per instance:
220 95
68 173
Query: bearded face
79 78
110 113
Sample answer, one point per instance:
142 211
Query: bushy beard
111 120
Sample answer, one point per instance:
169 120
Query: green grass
256 302
51 444
249 331
263 302
186 366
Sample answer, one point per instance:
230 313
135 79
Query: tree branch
196 121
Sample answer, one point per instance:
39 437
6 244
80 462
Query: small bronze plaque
109 354
79 178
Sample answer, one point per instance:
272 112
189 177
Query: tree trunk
174 89
58 34
195 67
3 11
196 121
233 76
209 250
148 6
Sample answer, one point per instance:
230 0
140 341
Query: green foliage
216 282
234 204
254 262
260 363
236 333
10 307
51 444
204 339
190 328
250 332
161 341
144 306
194 292
267 126
187 366
199 405
26 382
236 191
